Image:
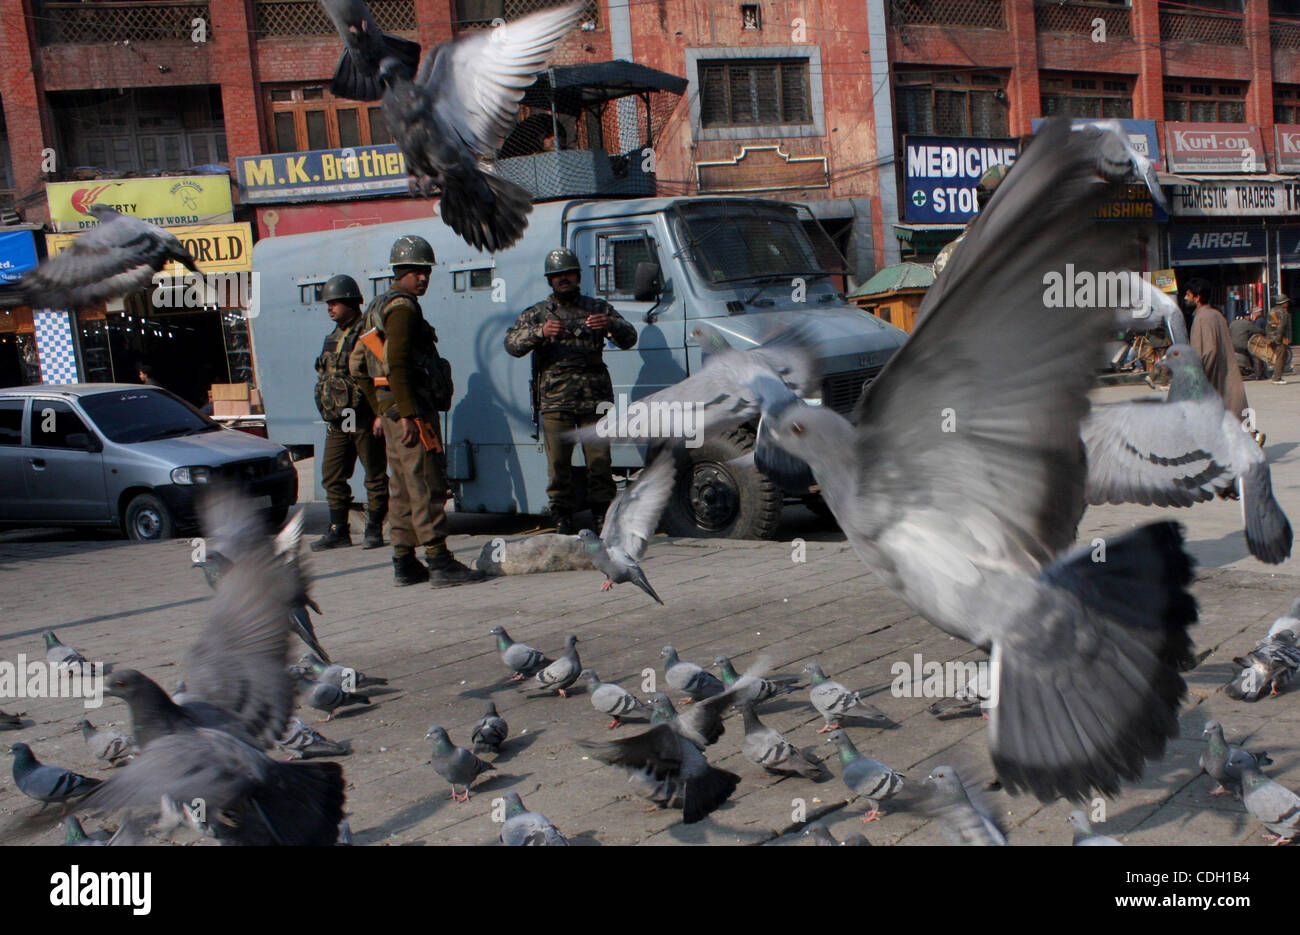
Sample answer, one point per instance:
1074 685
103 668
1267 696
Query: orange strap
375 344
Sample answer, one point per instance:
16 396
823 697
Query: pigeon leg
605 586
517 677
466 796
830 727
453 795
686 701
561 693
873 815
1222 790
614 723
325 718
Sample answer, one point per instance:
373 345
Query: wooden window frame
298 106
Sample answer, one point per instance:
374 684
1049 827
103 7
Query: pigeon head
310 661
815 672
728 671
492 710
589 539
128 684
946 780
570 641
441 742
103 213
590 675
1211 728
668 653
72 830
23 756
1295 608
1079 821
856 839
50 639
837 737
1187 379
514 804
86 726
662 707
1252 778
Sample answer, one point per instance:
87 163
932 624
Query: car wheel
148 519
715 499
277 516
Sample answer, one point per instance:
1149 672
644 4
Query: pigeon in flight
365 46
118 256
1177 450
630 525
1118 161
961 483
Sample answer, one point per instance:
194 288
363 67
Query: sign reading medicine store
942 173
322 175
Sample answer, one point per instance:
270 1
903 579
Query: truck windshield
143 415
734 241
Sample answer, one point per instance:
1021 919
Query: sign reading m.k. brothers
175 201
322 175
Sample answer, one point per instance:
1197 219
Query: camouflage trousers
417 507
342 449
559 459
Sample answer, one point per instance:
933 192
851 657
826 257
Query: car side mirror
646 286
83 441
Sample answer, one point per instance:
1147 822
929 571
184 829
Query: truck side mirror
646 286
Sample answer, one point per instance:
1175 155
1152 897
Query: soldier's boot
598 511
338 536
564 524
407 569
374 535
446 572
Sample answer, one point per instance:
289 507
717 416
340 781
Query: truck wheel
147 519
715 500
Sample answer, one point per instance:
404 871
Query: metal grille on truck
840 391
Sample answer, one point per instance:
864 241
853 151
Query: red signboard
1214 147
282 220
1288 147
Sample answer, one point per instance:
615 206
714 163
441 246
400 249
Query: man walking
408 383
1279 334
566 332
352 430
1212 342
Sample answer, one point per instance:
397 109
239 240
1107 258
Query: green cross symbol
918 198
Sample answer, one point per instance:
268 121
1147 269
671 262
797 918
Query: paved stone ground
143 606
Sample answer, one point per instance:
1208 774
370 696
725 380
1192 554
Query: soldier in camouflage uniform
988 184
567 332
351 428
409 384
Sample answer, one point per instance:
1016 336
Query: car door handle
37 463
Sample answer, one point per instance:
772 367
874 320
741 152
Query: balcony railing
978 14
1079 19
1284 34
479 14
279 18
1189 26
158 21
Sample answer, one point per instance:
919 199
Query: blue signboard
1142 135
322 175
1189 245
941 173
1288 246
17 255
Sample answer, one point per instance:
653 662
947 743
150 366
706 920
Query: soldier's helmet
341 289
989 182
410 250
561 260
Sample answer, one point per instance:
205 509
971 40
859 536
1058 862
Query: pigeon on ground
757 689
57 654
11 721
630 524
490 732
961 820
822 835
961 486
48 784
112 747
1178 450
239 701
519 658
1289 622
455 764
612 699
1224 761
523 828
119 256
335 674
687 677
74 835
833 701
1276 806
1084 836
563 672
970 698
865 777
459 108
666 763
365 45
1118 161
302 742
1268 668
328 698
769 749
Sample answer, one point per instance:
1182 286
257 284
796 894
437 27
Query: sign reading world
322 175
942 172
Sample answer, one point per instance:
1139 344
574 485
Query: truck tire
717 500
147 519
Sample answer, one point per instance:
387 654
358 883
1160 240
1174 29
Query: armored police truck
748 265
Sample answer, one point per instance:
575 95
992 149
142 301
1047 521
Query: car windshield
734 241
144 415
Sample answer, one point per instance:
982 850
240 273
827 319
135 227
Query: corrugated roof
896 278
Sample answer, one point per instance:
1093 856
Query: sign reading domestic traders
322 174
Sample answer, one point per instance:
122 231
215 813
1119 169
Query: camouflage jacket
571 373
336 389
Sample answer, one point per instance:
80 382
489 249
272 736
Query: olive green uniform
337 392
419 386
572 381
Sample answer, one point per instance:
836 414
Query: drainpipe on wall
883 104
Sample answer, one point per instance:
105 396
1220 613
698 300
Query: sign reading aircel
1191 245
1214 147
176 201
322 174
942 172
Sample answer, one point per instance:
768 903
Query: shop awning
896 278
928 237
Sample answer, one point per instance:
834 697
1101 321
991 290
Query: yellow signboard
216 248
179 201
1163 279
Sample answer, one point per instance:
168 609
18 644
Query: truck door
659 357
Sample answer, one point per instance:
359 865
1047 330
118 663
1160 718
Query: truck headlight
187 476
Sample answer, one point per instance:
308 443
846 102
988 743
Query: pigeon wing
634 515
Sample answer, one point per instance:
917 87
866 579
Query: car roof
71 389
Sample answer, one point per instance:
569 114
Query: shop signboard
1214 147
175 201
1193 245
1235 197
216 248
322 175
17 255
1287 136
942 172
